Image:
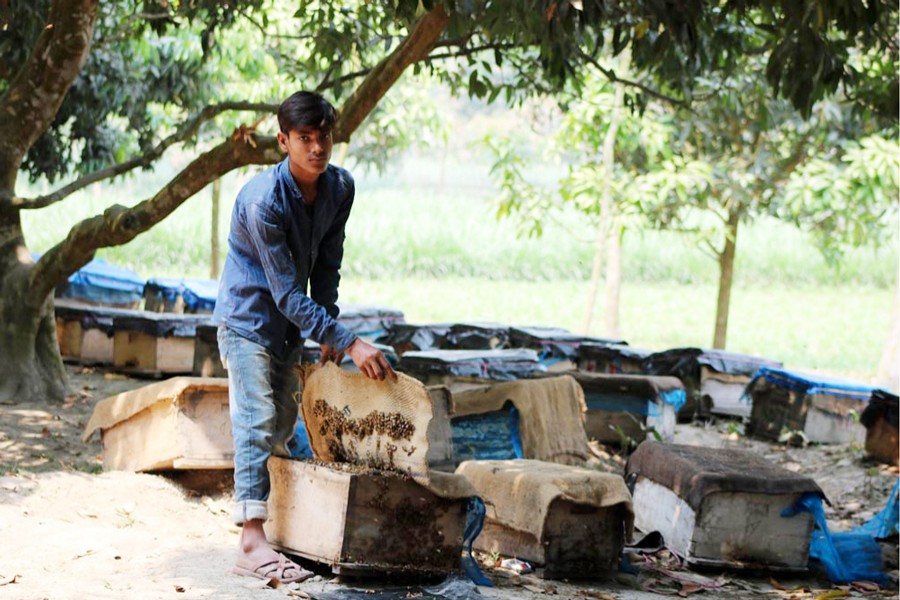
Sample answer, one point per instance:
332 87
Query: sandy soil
70 531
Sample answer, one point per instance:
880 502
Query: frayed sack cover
695 472
518 493
551 416
379 424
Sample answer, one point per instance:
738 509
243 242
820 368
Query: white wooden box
181 423
721 507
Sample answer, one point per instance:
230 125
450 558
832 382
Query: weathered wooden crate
181 423
721 507
155 344
880 418
611 358
85 332
714 379
825 410
568 520
723 393
360 520
628 407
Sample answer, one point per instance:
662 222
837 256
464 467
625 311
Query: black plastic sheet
476 336
500 365
161 324
369 321
404 337
554 343
685 363
883 405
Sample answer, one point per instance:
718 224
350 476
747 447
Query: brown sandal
275 569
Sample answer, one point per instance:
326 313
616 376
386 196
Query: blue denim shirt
276 251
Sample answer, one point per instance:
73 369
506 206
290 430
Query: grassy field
424 239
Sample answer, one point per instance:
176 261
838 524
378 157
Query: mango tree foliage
852 199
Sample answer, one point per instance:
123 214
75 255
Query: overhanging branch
613 78
414 47
119 225
186 131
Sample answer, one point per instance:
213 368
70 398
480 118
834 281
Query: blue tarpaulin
198 294
102 283
846 557
487 436
811 383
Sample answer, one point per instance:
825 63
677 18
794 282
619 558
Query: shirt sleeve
270 243
326 272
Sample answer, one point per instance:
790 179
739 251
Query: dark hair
306 109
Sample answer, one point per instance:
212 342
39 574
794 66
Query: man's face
309 149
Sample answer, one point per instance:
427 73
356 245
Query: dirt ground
71 531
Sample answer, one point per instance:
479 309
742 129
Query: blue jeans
263 396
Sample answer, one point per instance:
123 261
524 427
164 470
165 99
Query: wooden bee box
181 423
721 507
567 520
155 344
85 332
360 520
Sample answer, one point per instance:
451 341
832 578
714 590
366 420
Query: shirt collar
284 171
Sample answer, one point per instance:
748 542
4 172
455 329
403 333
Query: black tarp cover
90 316
685 363
553 343
404 337
161 324
501 365
476 336
883 404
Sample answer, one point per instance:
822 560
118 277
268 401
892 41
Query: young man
287 234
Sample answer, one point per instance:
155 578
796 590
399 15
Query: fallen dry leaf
830 595
7 580
596 594
866 586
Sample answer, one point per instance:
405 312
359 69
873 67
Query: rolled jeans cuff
250 510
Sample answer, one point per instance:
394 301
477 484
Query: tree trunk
215 196
614 279
726 276
30 366
609 147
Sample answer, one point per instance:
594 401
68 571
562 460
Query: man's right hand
370 360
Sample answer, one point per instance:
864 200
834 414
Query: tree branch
187 130
34 96
119 225
613 78
414 47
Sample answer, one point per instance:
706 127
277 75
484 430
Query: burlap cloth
694 472
551 416
378 424
518 493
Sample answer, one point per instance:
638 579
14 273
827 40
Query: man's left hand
330 354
